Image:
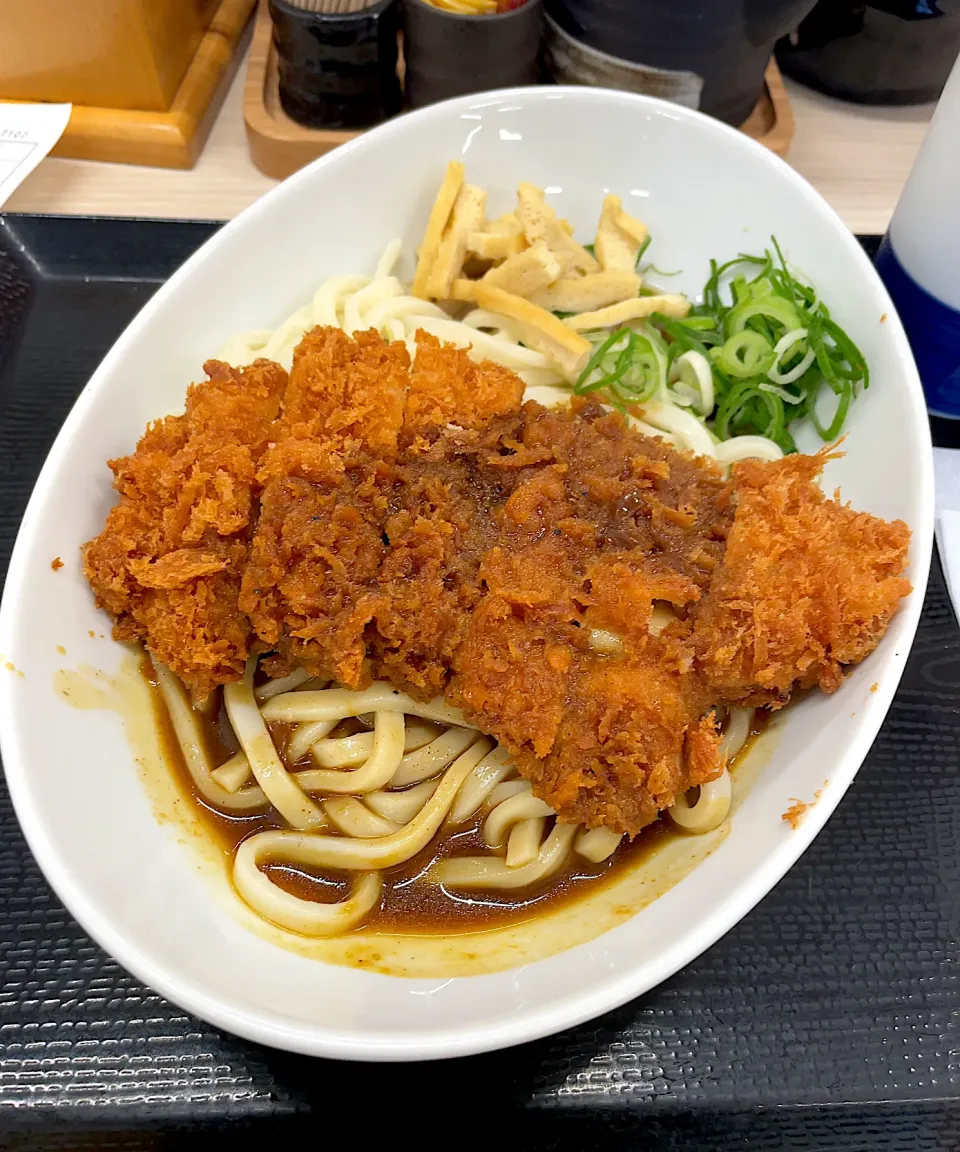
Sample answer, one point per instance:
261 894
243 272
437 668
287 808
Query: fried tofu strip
540 222
540 329
439 215
619 237
528 272
585 293
615 315
498 239
467 216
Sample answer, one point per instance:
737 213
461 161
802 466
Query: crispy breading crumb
56 563
798 808
794 814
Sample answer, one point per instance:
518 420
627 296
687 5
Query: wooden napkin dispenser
141 74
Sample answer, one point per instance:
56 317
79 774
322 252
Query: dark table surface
829 1018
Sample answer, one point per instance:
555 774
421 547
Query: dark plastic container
726 44
337 71
451 55
884 52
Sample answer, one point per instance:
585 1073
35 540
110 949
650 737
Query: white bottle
919 259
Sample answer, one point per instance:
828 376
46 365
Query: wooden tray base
170 139
280 146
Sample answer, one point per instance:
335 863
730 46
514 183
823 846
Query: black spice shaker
448 54
883 52
338 68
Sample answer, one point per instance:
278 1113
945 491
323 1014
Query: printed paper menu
27 133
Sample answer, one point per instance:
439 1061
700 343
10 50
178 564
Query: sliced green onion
822 353
755 355
630 365
851 353
583 383
746 354
832 431
746 409
647 268
785 396
772 307
783 345
692 380
696 323
646 373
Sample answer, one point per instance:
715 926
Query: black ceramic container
719 48
884 52
450 55
337 71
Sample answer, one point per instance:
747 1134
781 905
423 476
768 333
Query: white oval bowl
705 190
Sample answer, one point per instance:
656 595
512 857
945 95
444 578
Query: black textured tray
829 1018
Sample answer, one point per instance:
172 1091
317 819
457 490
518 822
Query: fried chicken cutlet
419 524
807 586
339 537
474 554
168 563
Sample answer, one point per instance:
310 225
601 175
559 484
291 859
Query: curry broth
411 903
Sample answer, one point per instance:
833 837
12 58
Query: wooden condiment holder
142 75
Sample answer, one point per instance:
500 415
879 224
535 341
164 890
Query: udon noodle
365 803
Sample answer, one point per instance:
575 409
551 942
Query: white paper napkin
946 469
27 133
